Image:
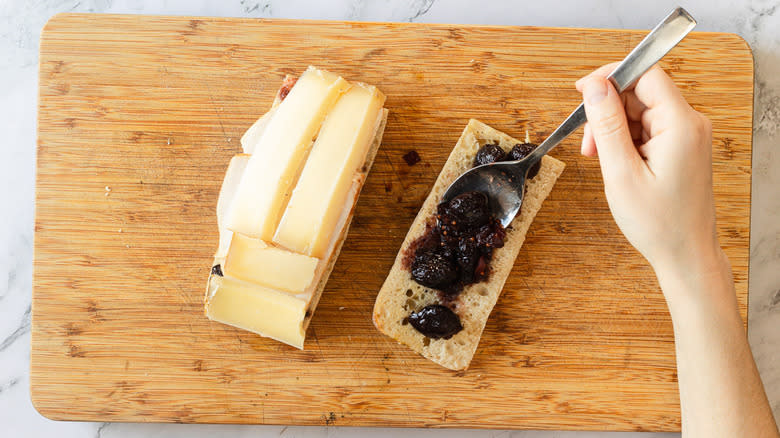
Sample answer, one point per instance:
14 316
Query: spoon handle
655 46
650 50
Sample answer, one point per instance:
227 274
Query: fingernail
595 91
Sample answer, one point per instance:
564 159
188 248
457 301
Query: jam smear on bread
456 248
456 251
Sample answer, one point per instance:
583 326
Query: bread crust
400 295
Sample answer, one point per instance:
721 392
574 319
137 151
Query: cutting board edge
365 420
64 15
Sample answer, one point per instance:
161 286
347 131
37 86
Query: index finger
634 106
602 71
652 88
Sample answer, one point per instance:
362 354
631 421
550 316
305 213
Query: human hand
655 153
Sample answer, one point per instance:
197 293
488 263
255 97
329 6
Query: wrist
692 258
703 280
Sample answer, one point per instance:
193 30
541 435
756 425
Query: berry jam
455 249
436 321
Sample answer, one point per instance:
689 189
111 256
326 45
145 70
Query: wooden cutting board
138 118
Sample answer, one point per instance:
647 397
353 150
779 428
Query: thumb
608 124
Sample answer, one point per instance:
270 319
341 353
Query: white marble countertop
758 21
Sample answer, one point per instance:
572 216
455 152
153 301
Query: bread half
400 295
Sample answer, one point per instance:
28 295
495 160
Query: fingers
644 149
609 126
652 88
655 88
645 137
588 147
635 128
620 127
638 135
602 71
634 106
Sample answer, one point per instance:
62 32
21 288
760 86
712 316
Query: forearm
720 389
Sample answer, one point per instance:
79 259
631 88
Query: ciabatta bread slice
400 295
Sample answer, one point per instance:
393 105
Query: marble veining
22 329
757 21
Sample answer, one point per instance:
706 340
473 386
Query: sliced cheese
258 309
252 136
321 192
252 260
278 156
226 194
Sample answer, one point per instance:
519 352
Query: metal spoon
504 182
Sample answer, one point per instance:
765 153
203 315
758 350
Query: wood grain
138 117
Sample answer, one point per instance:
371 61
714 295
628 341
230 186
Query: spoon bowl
503 182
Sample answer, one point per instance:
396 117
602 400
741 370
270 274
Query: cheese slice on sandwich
280 152
310 154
